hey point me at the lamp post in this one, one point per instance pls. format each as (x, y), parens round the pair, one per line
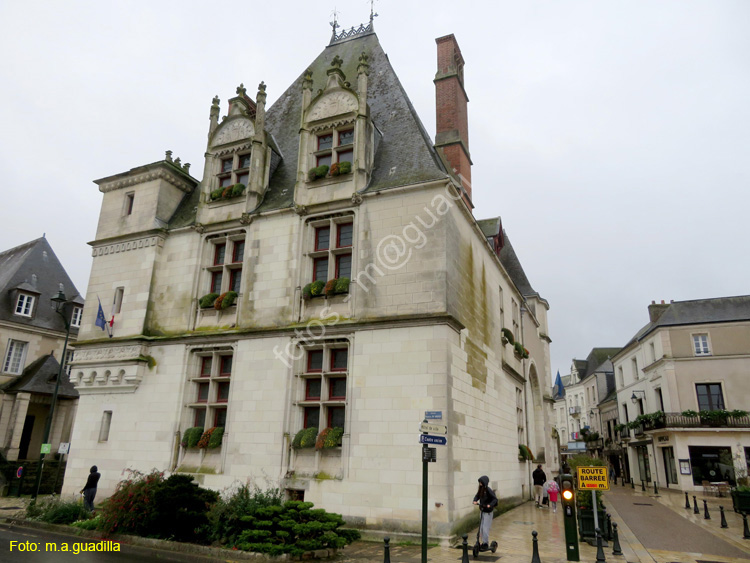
(60, 301)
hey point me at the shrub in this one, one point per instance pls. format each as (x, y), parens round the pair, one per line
(238, 189)
(335, 170)
(525, 354)
(206, 437)
(216, 194)
(130, 509)
(225, 300)
(508, 336)
(181, 510)
(317, 172)
(518, 348)
(305, 438)
(330, 287)
(191, 436)
(56, 511)
(524, 452)
(306, 292)
(329, 438)
(226, 515)
(207, 300)
(689, 413)
(316, 288)
(293, 528)
(342, 285)
(216, 438)
(226, 192)
(90, 524)
(583, 460)
(345, 167)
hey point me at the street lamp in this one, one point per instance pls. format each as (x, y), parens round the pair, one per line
(634, 398)
(60, 301)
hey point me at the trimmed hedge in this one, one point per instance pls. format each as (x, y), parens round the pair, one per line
(305, 438)
(191, 436)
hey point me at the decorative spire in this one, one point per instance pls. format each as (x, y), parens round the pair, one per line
(307, 82)
(168, 156)
(215, 102)
(373, 14)
(241, 90)
(334, 24)
(261, 97)
(364, 66)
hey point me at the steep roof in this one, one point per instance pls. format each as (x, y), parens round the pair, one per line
(34, 267)
(490, 227)
(39, 377)
(512, 265)
(598, 360)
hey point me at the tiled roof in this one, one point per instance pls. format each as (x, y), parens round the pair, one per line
(512, 265)
(39, 377)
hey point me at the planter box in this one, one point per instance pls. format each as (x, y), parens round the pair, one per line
(586, 528)
(741, 501)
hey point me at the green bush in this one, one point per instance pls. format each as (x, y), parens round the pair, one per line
(180, 510)
(305, 438)
(226, 515)
(524, 452)
(90, 524)
(225, 300)
(238, 189)
(191, 436)
(307, 292)
(293, 528)
(317, 287)
(130, 509)
(329, 438)
(330, 288)
(317, 172)
(345, 167)
(216, 194)
(583, 460)
(342, 285)
(509, 336)
(208, 300)
(519, 348)
(55, 510)
(335, 169)
(216, 438)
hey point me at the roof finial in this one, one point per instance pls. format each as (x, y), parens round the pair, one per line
(373, 14)
(241, 90)
(334, 24)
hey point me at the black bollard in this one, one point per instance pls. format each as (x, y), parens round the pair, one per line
(723, 518)
(706, 515)
(632, 483)
(623, 480)
(599, 548)
(387, 550)
(616, 550)
(656, 489)
(745, 529)
(695, 506)
(535, 549)
(643, 485)
(687, 501)
(609, 526)
(465, 547)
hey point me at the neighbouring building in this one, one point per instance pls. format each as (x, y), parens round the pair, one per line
(326, 280)
(683, 392)
(32, 337)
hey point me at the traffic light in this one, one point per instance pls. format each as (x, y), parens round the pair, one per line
(568, 489)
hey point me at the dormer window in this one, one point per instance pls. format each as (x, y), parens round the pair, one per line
(24, 305)
(76, 318)
(335, 146)
(234, 169)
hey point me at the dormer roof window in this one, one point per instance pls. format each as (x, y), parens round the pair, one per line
(24, 305)
(335, 146)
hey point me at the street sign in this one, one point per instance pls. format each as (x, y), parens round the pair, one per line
(429, 454)
(437, 440)
(593, 478)
(19, 472)
(433, 428)
(433, 415)
(64, 448)
(46, 448)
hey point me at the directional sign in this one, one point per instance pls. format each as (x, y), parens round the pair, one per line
(64, 448)
(437, 440)
(434, 428)
(433, 415)
(593, 478)
(46, 448)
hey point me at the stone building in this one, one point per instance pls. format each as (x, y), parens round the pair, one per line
(32, 337)
(228, 315)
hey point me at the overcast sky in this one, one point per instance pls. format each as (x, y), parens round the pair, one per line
(612, 137)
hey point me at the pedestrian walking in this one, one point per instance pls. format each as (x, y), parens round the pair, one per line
(539, 479)
(487, 501)
(552, 490)
(89, 489)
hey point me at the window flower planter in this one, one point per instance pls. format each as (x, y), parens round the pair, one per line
(524, 453)
(191, 437)
(317, 172)
(305, 438)
(211, 438)
(225, 300)
(228, 192)
(507, 337)
(329, 438)
(323, 171)
(333, 287)
(520, 351)
(207, 300)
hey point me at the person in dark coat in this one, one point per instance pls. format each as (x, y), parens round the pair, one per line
(487, 501)
(540, 478)
(89, 489)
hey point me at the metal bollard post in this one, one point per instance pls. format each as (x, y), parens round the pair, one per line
(609, 526)
(632, 483)
(643, 485)
(387, 550)
(745, 530)
(465, 549)
(616, 549)
(695, 506)
(706, 515)
(687, 501)
(535, 549)
(599, 549)
(656, 489)
(723, 518)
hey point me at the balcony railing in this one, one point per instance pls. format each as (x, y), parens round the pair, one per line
(625, 433)
(574, 410)
(678, 420)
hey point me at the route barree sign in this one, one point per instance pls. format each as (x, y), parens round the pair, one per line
(593, 478)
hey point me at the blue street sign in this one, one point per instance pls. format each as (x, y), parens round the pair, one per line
(438, 440)
(433, 415)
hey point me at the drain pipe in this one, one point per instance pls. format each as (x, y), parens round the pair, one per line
(526, 402)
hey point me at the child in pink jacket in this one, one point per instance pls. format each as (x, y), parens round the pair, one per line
(552, 490)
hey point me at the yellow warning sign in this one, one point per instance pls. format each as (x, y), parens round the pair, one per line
(593, 478)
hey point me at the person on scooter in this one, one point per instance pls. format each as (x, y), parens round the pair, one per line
(487, 501)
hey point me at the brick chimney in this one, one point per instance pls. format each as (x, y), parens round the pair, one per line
(452, 131)
(656, 310)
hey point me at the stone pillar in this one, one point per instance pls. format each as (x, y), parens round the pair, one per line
(20, 408)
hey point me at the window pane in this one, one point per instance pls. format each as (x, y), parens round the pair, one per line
(216, 282)
(234, 280)
(312, 417)
(717, 399)
(337, 388)
(226, 165)
(23, 306)
(14, 358)
(243, 178)
(315, 360)
(322, 238)
(312, 389)
(324, 159)
(220, 418)
(245, 160)
(238, 251)
(205, 367)
(225, 181)
(222, 393)
(339, 359)
(345, 235)
(76, 319)
(336, 417)
(226, 366)
(344, 266)
(325, 141)
(219, 253)
(345, 156)
(346, 137)
(321, 269)
(200, 418)
(202, 392)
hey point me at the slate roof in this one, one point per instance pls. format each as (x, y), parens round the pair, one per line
(596, 361)
(512, 265)
(39, 378)
(18, 266)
